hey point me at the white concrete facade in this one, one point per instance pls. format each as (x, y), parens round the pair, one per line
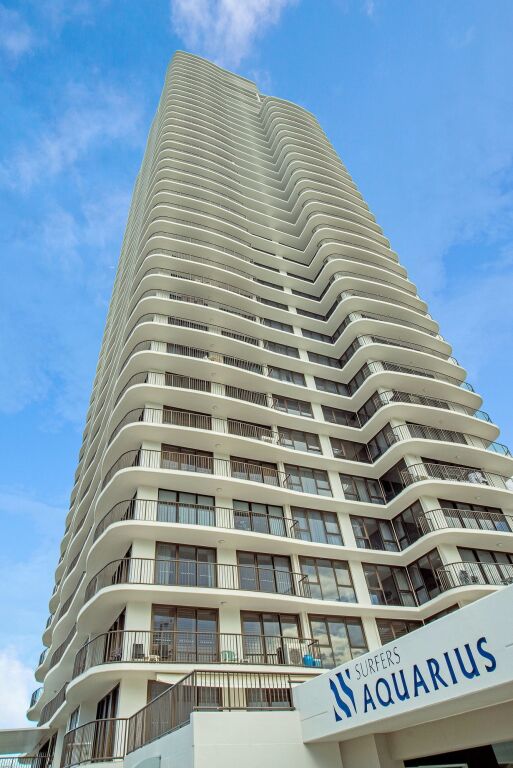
(282, 466)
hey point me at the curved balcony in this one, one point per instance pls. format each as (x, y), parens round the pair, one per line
(178, 647)
(186, 462)
(201, 575)
(465, 574)
(156, 511)
(36, 695)
(368, 368)
(441, 519)
(453, 473)
(191, 420)
(95, 742)
(53, 705)
(392, 435)
(381, 399)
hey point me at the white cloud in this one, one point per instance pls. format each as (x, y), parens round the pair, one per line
(16, 36)
(16, 678)
(224, 30)
(92, 116)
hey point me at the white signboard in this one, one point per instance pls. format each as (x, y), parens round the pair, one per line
(459, 662)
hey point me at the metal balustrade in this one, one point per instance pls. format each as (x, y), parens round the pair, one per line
(180, 647)
(389, 436)
(95, 742)
(152, 510)
(463, 574)
(208, 691)
(53, 705)
(199, 301)
(59, 652)
(26, 761)
(452, 473)
(198, 574)
(36, 695)
(440, 519)
(381, 399)
(188, 462)
(192, 420)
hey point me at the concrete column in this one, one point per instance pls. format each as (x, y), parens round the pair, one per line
(368, 752)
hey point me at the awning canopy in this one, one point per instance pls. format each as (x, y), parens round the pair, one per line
(21, 740)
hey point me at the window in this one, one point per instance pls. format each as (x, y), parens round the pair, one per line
(182, 634)
(423, 576)
(362, 489)
(306, 312)
(381, 442)
(391, 629)
(338, 416)
(371, 406)
(308, 480)
(329, 579)
(314, 357)
(256, 471)
(184, 565)
(271, 638)
(349, 450)
(316, 335)
(184, 507)
(340, 638)
(374, 534)
(282, 349)
(271, 303)
(356, 382)
(334, 387)
(388, 585)
(291, 405)
(406, 524)
(291, 377)
(345, 358)
(265, 573)
(73, 719)
(270, 285)
(341, 328)
(154, 689)
(277, 324)
(268, 698)
(298, 440)
(312, 525)
(261, 518)
(186, 459)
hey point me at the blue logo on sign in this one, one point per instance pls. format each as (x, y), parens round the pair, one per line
(343, 695)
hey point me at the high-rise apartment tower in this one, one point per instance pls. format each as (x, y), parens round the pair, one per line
(282, 465)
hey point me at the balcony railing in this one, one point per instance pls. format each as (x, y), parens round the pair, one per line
(428, 470)
(439, 519)
(189, 462)
(465, 574)
(202, 575)
(381, 399)
(191, 420)
(95, 742)
(36, 695)
(26, 761)
(156, 511)
(179, 647)
(208, 691)
(53, 705)
(397, 434)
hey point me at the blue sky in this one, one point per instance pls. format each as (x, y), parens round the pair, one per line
(416, 97)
